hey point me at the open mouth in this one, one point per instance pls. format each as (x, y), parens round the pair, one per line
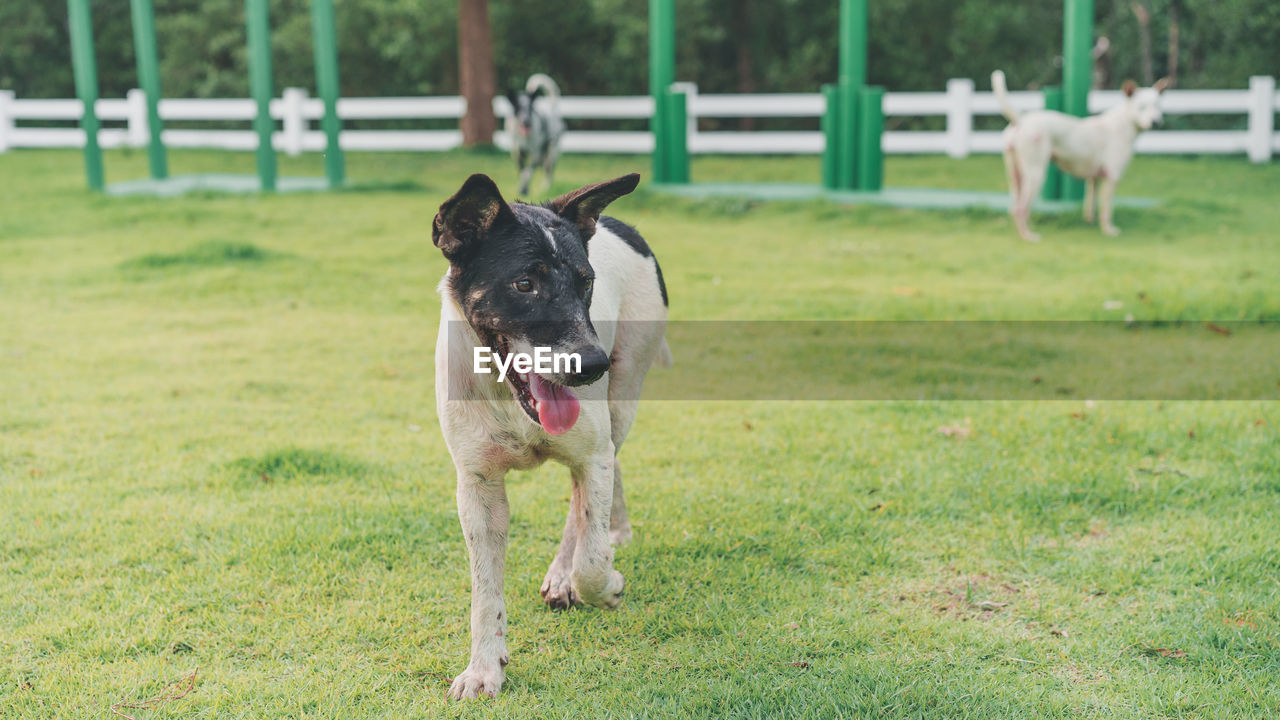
(552, 406)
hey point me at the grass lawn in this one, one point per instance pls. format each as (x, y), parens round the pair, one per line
(219, 454)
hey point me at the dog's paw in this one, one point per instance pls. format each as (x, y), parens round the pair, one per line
(1111, 231)
(1032, 237)
(475, 682)
(611, 595)
(557, 591)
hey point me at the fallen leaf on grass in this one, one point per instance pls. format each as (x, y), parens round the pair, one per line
(1058, 633)
(153, 703)
(905, 291)
(800, 664)
(991, 605)
(1219, 329)
(879, 507)
(792, 626)
(957, 431)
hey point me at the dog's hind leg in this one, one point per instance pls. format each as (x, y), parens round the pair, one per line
(1090, 186)
(557, 587)
(1032, 176)
(484, 514)
(619, 524)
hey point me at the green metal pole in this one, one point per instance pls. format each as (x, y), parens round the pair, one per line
(258, 21)
(853, 76)
(144, 47)
(1052, 189)
(870, 128)
(830, 132)
(1077, 72)
(662, 67)
(847, 160)
(676, 122)
(85, 69)
(324, 39)
(853, 42)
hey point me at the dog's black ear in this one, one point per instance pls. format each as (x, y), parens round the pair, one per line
(466, 218)
(1130, 87)
(537, 93)
(514, 100)
(584, 205)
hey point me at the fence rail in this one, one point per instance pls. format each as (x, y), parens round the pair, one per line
(959, 105)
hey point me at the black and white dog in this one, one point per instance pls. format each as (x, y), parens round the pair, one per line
(521, 278)
(534, 128)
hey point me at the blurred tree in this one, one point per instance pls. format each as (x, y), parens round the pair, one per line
(593, 47)
(475, 71)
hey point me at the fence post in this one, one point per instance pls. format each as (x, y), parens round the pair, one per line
(136, 123)
(324, 39)
(6, 120)
(690, 90)
(870, 128)
(1262, 117)
(144, 44)
(258, 20)
(85, 70)
(677, 151)
(292, 121)
(831, 134)
(662, 67)
(959, 116)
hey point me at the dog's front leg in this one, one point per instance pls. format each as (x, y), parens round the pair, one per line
(593, 576)
(1106, 197)
(483, 512)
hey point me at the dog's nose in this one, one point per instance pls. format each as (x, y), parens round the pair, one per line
(595, 362)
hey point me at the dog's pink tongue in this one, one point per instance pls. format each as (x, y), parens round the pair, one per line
(557, 405)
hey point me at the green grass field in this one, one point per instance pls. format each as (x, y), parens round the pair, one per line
(219, 454)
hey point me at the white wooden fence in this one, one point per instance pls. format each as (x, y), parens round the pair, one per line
(959, 104)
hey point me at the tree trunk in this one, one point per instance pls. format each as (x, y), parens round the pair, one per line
(475, 71)
(746, 69)
(1174, 29)
(1142, 10)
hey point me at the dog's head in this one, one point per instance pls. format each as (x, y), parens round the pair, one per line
(522, 109)
(521, 276)
(1144, 103)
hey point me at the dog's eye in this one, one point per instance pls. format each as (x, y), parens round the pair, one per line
(586, 288)
(523, 285)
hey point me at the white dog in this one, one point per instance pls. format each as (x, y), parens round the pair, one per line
(1096, 149)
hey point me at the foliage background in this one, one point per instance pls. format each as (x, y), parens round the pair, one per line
(409, 47)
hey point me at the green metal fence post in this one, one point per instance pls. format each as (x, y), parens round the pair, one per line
(1077, 72)
(662, 65)
(258, 22)
(870, 128)
(677, 128)
(847, 165)
(853, 76)
(324, 39)
(1052, 189)
(85, 68)
(831, 134)
(144, 48)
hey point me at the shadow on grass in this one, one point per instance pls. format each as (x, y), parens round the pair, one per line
(293, 463)
(209, 254)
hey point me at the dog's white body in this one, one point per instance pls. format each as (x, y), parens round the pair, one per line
(1096, 149)
(488, 434)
